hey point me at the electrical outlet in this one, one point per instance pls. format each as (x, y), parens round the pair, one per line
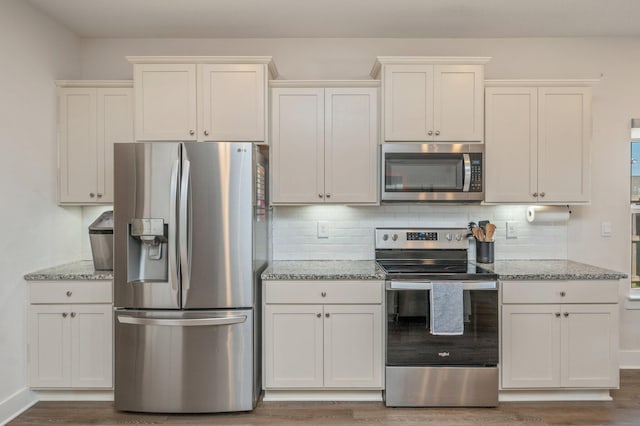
(323, 229)
(605, 229)
(512, 230)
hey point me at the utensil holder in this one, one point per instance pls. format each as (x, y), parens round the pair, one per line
(484, 251)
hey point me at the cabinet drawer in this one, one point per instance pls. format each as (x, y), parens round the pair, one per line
(70, 292)
(322, 292)
(559, 291)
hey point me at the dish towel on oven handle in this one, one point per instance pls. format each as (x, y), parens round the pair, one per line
(446, 311)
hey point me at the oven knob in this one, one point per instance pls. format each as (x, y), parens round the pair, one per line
(395, 237)
(385, 237)
(459, 237)
(449, 237)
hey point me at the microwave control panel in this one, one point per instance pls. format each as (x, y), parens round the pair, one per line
(476, 173)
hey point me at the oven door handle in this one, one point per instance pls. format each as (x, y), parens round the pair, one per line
(426, 285)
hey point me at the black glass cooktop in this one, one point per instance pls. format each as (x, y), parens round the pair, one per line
(435, 270)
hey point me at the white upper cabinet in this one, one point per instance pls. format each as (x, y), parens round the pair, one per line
(324, 145)
(538, 136)
(201, 98)
(432, 99)
(92, 116)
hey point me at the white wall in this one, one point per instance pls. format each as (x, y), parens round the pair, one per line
(616, 99)
(36, 233)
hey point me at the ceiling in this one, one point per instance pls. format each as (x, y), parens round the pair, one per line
(344, 18)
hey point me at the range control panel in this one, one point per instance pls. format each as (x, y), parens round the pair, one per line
(415, 238)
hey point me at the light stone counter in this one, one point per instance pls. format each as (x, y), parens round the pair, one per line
(323, 270)
(550, 270)
(80, 270)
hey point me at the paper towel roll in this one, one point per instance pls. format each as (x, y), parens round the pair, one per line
(548, 214)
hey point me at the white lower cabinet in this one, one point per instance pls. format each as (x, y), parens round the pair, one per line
(70, 344)
(310, 345)
(560, 345)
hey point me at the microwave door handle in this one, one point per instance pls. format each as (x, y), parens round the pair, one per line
(467, 172)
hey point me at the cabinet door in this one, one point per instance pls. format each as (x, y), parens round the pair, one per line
(114, 124)
(165, 102)
(231, 100)
(78, 175)
(297, 157)
(351, 145)
(530, 346)
(408, 102)
(353, 346)
(564, 141)
(293, 346)
(511, 144)
(49, 361)
(458, 96)
(91, 346)
(590, 345)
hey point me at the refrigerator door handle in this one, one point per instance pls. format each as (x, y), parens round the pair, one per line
(173, 227)
(188, 322)
(184, 231)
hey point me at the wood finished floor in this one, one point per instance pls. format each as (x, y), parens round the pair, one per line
(623, 410)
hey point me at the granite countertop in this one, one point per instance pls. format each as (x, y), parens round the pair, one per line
(323, 270)
(550, 270)
(80, 270)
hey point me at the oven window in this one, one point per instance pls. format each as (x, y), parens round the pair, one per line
(424, 173)
(409, 341)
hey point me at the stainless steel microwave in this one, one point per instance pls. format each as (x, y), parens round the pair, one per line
(432, 172)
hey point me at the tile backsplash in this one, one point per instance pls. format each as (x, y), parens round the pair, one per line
(349, 230)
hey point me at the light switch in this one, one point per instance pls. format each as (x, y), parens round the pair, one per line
(512, 230)
(605, 229)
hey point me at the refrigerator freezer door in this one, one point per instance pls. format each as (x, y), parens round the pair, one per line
(184, 361)
(146, 178)
(216, 225)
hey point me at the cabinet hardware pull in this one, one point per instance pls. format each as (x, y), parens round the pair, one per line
(437, 132)
(566, 314)
(69, 293)
(535, 194)
(328, 195)
(73, 314)
(319, 195)
(206, 133)
(430, 132)
(327, 315)
(91, 194)
(542, 194)
(64, 314)
(563, 293)
(319, 315)
(99, 195)
(323, 294)
(557, 314)
(191, 132)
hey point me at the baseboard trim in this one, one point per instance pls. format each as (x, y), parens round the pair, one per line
(74, 395)
(629, 360)
(554, 395)
(16, 404)
(322, 395)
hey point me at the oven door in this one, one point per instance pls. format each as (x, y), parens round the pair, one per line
(410, 342)
(431, 172)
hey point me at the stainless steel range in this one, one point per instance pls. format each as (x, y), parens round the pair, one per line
(442, 320)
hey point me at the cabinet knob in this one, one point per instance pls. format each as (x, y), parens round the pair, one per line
(319, 195)
(99, 195)
(327, 315)
(563, 293)
(319, 315)
(73, 314)
(566, 314)
(437, 132)
(69, 293)
(191, 132)
(535, 194)
(91, 194)
(64, 315)
(542, 194)
(557, 314)
(430, 132)
(206, 133)
(328, 195)
(323, 294)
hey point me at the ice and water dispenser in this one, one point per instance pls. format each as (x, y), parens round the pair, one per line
(147, 250)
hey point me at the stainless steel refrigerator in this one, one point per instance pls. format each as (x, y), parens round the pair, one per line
(190, 235)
